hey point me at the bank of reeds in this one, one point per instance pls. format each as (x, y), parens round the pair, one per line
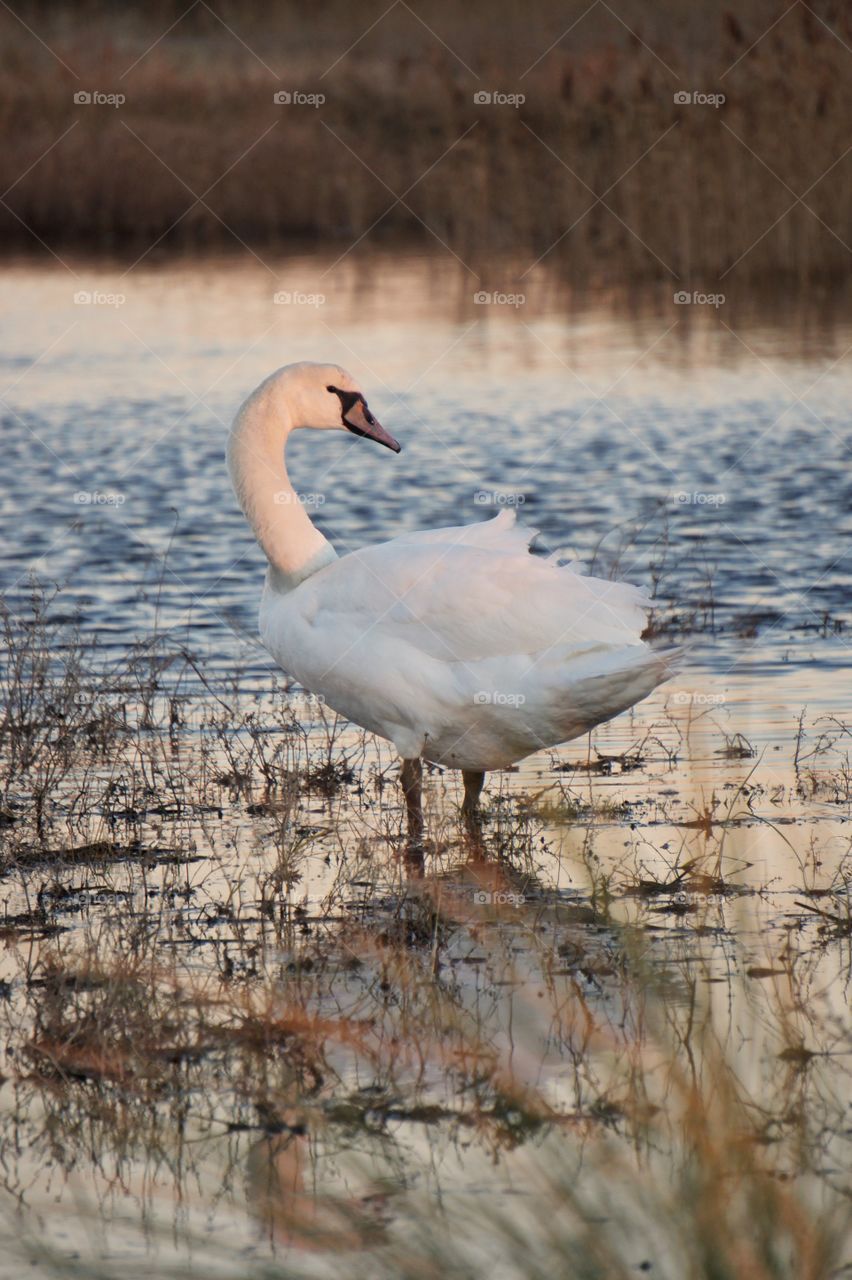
(599, 168)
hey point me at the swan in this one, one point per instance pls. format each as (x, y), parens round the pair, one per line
(457, 645)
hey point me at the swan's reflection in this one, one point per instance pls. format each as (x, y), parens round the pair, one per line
(293, 1213)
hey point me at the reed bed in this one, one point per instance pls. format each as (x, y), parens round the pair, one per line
(599, 172)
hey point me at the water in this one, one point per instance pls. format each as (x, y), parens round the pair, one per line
(704, 449)
(605, 424)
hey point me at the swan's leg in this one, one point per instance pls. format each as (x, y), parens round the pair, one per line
(474, 780)
(412, 780)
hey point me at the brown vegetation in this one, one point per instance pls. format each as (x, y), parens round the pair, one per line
(599, 160)
(630, 1075)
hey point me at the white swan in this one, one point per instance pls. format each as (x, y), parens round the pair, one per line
(456, 644)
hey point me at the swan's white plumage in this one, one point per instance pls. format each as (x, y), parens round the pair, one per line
(460, 646)
(456, 644)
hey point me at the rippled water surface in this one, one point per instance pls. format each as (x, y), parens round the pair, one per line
(615, 428)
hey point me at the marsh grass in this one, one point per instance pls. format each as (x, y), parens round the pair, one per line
(693, 1164)
(400, 115)
(227, 997)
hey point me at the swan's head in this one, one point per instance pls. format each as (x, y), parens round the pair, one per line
(327, 398)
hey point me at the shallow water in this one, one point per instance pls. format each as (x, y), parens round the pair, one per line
(711, 444)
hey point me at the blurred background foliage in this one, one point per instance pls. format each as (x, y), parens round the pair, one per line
(599, 156)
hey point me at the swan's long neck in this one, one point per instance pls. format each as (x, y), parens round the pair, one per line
(294, 547)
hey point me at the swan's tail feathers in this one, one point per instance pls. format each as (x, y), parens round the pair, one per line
(659, 665)
(655, 665)
(614, 681)
(670, 660)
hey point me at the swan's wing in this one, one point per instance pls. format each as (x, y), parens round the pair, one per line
(473, 592)
(503, 533)
(460, 646)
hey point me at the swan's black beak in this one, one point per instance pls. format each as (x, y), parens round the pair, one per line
(361, 422)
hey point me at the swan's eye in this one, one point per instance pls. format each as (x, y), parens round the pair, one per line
(348, 400)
